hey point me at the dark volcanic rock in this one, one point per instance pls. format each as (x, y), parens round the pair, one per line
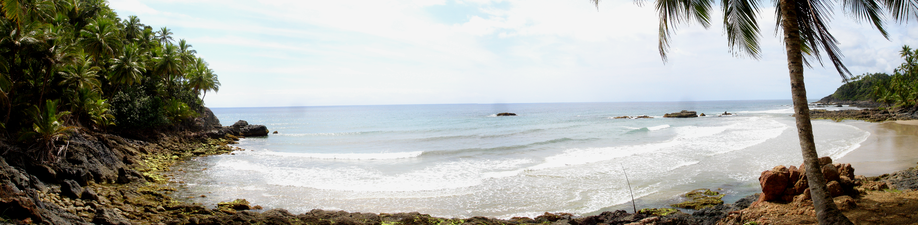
(71, 188)
(506, 114)
(110, 216)
(871, 115)
(241, 128)
(682, 114)
(903, 180)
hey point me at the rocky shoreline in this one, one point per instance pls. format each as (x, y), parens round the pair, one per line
(106, 178)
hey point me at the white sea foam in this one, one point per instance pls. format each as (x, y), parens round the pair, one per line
(736, 135)
(318, 134)
(347, 156)
(660, 127)
(451, 175)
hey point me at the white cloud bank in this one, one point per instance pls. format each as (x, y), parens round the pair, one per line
(294, 53)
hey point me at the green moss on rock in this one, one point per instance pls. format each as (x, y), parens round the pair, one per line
(700, 199)
(659, 211)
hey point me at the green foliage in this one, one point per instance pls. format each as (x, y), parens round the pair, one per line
(107, 71)
(659, 211)
(176, 111)
(699, 199)
(46, 129)
(860, 88)
(134, 109)
(900, 89)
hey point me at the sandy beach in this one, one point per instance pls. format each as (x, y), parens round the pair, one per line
(892, 146)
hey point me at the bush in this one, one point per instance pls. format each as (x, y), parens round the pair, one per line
(134, 109)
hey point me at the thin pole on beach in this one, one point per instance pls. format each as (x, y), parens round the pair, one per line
(629, 188)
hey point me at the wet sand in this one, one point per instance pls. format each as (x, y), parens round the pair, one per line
(892, 146)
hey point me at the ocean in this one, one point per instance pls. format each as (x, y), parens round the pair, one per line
(462, 160)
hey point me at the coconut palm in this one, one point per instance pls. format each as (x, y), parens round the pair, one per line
(127, 68)
(202, 79)
(133, 29)
(804, 25)
(164, 35)
(186, 54)
(47, 129)
(168, 62)
(81, 74)
(100, 38)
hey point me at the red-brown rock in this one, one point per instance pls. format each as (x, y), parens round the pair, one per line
(846, 170)
(801, 185)
(794, 174)
(835, 189)
(830, 172)
(825, 160)
(773, 185)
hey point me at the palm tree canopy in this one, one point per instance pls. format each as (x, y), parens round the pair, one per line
(742, 29)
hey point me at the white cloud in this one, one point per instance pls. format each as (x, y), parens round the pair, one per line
(291, 52)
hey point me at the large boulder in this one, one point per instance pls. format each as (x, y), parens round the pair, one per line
(774, 183)
(110, 216)
(241, 128)
(791, 184)
(682, 114)
(210, 120)
(72, 189)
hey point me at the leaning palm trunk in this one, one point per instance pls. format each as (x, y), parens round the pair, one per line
(826, 211)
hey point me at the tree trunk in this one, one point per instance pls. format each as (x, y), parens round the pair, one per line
(826, 211)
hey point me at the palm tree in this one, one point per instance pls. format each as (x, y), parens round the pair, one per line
(168, 62)
(100, 38)
(81, 74)
(128, 68)
(164, 35)
(186, 54)
(804, 25)
(133, 29)
(202, 79)
(47, 129)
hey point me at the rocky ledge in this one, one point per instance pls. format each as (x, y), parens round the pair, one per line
(682, 114)
(240, 129)
(870, 115)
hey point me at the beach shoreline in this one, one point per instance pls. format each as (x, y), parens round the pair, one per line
(889, 148)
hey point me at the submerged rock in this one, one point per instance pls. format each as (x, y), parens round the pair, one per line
(700, 199)
(682, 114)
(238, 204)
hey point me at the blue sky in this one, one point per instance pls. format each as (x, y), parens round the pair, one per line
(370, 52)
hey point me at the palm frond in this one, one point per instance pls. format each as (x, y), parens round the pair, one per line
(813, 17)
(741, 26)
(902, 10)
(673, 12)
(868, 10)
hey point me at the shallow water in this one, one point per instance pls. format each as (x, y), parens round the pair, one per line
(463, 161)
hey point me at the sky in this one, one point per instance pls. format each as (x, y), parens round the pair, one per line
(276, 53)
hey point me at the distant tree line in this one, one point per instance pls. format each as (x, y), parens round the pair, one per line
(74, 64)
(897, 90)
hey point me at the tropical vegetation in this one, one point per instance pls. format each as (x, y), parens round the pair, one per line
(69, 65)
(899, 90)
(804, 25)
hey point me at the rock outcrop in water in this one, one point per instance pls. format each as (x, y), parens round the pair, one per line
(506, 114)
(241, 128)
(682, 114)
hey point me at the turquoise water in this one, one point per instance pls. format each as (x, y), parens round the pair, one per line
(463, 161)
